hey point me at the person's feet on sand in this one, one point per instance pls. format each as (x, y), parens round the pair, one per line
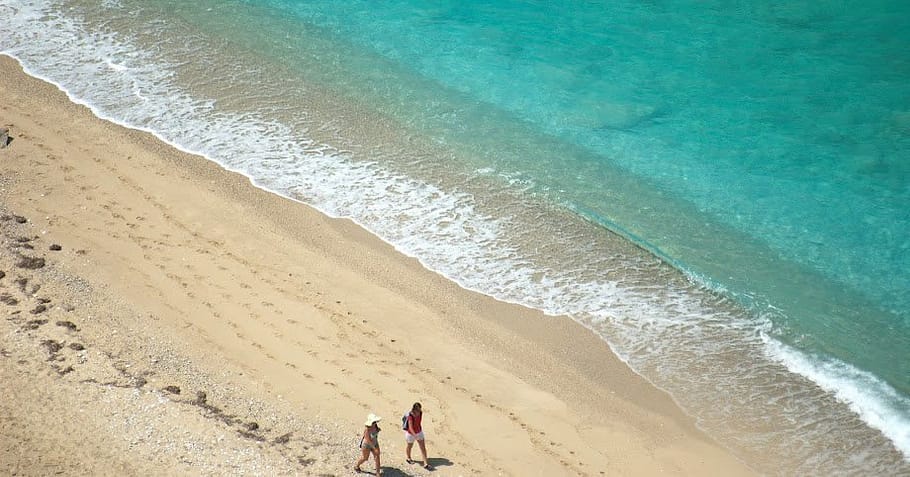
(361, 471)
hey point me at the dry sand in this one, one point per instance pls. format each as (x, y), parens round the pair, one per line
(191, 324)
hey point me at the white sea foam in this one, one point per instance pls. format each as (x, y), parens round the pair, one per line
(880, 405)
(661, 330)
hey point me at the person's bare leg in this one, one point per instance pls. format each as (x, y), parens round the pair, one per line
(378, 467)
(407, 451)
(365, 454)
(423, 451)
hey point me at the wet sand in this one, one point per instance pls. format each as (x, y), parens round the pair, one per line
(162, 316)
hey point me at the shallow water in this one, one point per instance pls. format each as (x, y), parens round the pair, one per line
(721, 193)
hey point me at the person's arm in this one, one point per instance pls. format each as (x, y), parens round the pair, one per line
(367, 437)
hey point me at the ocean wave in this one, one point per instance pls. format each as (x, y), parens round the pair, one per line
(877, 403)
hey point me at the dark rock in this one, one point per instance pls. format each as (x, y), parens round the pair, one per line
(55, 247)
(22, 282)
(251, 426)
(23, 239)
(283, 439)
(2, 274)
(139, 381)
(9, 300)
(34, 324)
(251, 435)
(44, 300)
(39, 309)
(201, 397)
(68, 324)
(66, 370)
(20, 219)
(52, 346)
(4, 137)
(76, 346)
(172, 389)
(31, 263)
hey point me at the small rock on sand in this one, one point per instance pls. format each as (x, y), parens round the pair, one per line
(34, 324)
(30, 263)
(52, 346)
(55, 247)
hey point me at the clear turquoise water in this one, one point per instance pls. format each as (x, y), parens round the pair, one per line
(790, 125)
(760, 149)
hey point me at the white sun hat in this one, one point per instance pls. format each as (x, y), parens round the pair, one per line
(371, 419)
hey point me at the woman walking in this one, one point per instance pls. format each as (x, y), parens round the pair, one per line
(369, 443)
(414, 432)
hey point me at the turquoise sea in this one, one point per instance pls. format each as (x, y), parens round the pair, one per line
(719, 189)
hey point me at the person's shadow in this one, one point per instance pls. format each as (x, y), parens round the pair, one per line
(439, 462)
(435, 463)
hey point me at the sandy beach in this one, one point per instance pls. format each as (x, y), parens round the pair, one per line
(162, 316)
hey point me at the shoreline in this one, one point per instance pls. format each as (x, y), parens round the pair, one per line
(311, 317)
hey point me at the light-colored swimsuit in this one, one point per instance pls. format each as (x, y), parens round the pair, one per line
(374, 436)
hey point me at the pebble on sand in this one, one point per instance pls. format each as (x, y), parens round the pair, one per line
(30, 263)
(68, 324)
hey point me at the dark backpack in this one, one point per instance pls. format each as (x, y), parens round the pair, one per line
(404, 421)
